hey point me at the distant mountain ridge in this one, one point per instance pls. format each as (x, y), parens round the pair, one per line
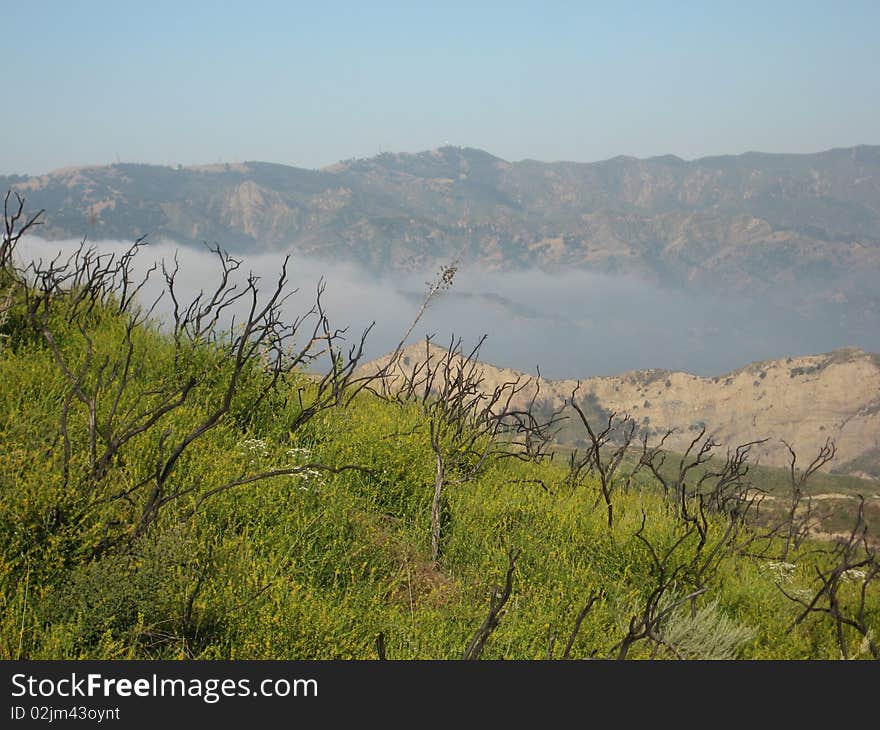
(746, 222)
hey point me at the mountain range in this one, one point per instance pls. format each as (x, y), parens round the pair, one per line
(751, 222)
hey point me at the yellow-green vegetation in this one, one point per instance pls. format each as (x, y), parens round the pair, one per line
(316, 561)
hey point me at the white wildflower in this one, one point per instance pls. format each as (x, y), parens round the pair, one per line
(312, 476)
(780, 570)
(253, 448)
(853, 574)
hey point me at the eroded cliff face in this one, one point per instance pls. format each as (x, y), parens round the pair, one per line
(803, 400)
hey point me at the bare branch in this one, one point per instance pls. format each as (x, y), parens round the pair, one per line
(579, 620)
(497, 602)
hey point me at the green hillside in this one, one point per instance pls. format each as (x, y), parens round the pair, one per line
(188, 492)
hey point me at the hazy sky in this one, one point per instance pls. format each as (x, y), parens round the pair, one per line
(310, 83)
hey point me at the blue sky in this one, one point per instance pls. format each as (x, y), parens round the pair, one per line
(310, 83)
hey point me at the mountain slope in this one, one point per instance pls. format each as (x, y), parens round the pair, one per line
(804, 400)
(753, 221)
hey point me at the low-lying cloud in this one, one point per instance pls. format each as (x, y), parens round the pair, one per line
(574, 324)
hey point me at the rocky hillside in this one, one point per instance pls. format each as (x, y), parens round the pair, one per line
(803, 400)
(748, 222)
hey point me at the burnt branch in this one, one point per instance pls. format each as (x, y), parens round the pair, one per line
(662, 600)
(470, 422)
(15, 225)
(579, 620)
(799, 521)
(302, 469)
(850, 568)
(380, 646)
(606, 449)
(497, 602)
